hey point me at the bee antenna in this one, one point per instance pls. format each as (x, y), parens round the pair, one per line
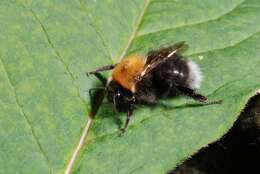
(103, 68)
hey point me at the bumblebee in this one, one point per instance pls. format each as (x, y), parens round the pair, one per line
(163, 73)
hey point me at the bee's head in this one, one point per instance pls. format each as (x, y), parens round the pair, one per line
(122, 98)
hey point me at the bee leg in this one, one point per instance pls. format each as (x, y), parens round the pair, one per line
(96, 99)
(101, 78)
(196, 96)
(95, 89)
(104, 68)
(167, 91)
(128, 116)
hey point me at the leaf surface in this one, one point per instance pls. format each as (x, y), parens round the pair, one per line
(47, 46)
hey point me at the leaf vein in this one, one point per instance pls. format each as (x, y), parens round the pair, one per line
(196, 23)
(57, 53)
(20, 106)
(98, 32)
(228, 46)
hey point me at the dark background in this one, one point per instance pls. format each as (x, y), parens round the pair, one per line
(237, 152)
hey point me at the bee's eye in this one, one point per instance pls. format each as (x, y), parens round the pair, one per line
(117, 92)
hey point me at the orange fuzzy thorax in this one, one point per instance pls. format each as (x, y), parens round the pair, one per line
(127, 70)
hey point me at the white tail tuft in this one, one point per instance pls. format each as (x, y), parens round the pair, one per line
(195, 75)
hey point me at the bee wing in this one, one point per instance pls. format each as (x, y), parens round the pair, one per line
(157, 57)
(165, 52)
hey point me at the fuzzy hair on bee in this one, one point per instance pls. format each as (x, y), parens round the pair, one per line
(162, 73)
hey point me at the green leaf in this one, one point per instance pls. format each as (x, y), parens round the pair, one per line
(47, 46)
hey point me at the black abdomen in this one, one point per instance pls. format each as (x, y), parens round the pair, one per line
(162, 81)
(174, 71)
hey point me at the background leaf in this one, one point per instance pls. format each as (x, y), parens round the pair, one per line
(47, 46)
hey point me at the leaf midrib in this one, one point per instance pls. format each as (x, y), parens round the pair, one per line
(122, 55)
(135, 30)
